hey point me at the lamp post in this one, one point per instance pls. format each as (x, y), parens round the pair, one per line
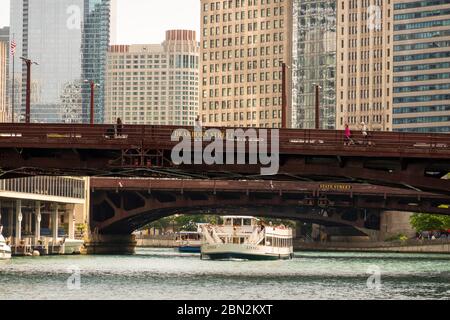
(284, 102)
(317, 90)
(93, 85)
(28, 62)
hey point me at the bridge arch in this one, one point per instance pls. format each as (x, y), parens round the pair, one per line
(112, 214)
(122, 205)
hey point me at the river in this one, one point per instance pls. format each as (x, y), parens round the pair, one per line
(166, 274)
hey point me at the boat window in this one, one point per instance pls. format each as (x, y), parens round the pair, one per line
(237, 222)
(247, 222)
(227, 222)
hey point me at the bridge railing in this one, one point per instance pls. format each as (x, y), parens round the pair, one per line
(295, 138)
(160, 136)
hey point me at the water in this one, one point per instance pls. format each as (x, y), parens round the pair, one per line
(165, 274)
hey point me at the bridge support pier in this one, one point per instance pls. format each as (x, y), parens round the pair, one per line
(10, 222)
(55, 224)
(394, 223)
(71, 222)
(37, 234)
(110, 244)
(19, 219)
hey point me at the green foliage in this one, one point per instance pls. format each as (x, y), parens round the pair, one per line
(427, 222)
(183, 222)
(398, 237)
(287, 223)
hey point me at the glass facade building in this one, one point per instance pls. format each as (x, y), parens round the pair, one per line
(314, 62)
(69, 40)
(421, 66)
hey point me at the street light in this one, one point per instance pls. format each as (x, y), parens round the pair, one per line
(28, 62)
(284, 120)
(93, 85)
(317, 87)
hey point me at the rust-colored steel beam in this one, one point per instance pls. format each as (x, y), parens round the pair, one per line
(138, 184)
(284, 102)
(292, 141)
(135, 202)
(389, 157)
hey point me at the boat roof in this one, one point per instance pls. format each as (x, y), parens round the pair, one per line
(188, 232)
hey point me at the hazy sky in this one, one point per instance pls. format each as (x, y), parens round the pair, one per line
(144, 21)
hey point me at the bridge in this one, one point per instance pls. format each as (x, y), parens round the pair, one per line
(121, 206)
(408, 160)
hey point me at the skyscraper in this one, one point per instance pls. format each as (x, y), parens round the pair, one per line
(422, 66)
(314, 63)
(4, 71)
(154, 83)
(243, 44)
(364, 64)
(69, 39)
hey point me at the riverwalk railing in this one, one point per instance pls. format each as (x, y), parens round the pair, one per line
(66, 187)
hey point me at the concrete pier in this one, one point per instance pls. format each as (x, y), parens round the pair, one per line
(110, 244)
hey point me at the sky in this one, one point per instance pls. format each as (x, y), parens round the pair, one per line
(144, 21)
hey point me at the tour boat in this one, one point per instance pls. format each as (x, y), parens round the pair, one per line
(246, 238)
(188, 242)
(5, 250)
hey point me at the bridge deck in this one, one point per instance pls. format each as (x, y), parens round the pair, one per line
(406, 159)
(316, 188)
(292, 141)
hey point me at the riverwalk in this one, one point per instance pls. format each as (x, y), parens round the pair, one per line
(409, 246)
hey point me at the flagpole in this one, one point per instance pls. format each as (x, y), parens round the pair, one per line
(13, 82)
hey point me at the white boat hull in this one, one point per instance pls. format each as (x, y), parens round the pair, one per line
(5, 253)
(244, 251)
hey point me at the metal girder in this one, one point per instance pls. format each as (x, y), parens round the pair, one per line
(167, 197)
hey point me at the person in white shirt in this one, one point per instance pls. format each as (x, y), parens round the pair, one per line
(198, 122)
(364, 132)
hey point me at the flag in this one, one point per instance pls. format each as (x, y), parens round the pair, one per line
(13, 47)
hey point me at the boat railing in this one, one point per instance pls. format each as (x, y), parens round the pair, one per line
(210, 235)
(257, 236)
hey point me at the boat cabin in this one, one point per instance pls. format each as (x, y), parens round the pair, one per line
(239, 221)
(188, 235)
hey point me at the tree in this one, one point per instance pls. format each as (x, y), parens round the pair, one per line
(427, 222)
(183, 222)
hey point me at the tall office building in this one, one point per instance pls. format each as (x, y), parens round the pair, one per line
(69, 39)
(154, 83)
(364, 64)
(4, 83)
(314, 63)
(243, 43)
(422, 65)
